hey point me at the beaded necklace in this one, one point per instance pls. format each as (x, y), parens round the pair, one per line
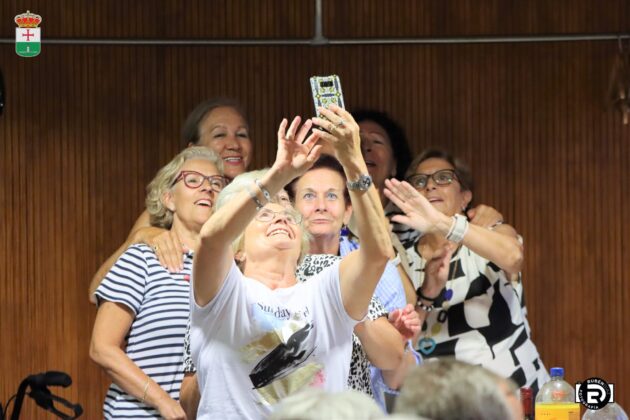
(426, 345)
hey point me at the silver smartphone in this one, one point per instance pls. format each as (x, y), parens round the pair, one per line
(326, 90)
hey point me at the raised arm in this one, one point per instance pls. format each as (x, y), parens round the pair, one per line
(500, 245)
(214, 257)
(360, 270)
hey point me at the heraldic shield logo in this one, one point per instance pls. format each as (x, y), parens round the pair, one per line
(28, 35)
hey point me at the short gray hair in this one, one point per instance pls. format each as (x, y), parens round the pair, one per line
(446, 389)
(159, 214)
(315, 403)
(242, 183)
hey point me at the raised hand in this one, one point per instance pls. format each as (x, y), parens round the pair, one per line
(295, 155)
(419, 213)
(342, 132)
(436, 271)
(406, 321)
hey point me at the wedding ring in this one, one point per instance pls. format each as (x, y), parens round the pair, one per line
(156, 249)
(340, 123)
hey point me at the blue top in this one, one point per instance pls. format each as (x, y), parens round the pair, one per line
(389, 289)
(390, 292)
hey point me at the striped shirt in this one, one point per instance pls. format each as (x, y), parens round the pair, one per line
(155, 341)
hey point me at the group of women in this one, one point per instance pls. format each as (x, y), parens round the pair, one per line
(260, 276)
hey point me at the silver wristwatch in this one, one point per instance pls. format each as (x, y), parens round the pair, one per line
(361, 184)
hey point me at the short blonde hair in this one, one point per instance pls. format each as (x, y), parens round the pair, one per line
(241, 183)
(159, 214)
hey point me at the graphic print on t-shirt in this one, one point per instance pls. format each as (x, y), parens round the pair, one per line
(281, 354)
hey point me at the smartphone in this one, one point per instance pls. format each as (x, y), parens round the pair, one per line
(326, 90)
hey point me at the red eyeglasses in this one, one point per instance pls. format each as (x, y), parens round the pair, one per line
(194, 180)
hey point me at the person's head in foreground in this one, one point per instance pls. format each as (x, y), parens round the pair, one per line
(315, 403)
(446, 389)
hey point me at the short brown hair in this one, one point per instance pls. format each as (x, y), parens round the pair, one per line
(461, 168)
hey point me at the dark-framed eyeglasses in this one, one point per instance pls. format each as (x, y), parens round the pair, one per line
(267, 215)
(194, 180)
(441, 177)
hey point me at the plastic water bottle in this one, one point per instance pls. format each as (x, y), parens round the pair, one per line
(611, 411)
(556, 399)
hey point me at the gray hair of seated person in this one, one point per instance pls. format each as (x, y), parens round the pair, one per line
(447, 389)
(159, 214)
(243, 182)
(315, 403)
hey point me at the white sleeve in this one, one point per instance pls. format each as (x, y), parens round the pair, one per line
(228, 297)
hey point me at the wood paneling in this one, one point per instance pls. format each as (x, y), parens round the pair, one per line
(412, 18)
(161, 19)
(85, 128)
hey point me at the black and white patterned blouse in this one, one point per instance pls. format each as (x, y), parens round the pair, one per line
(359, 377)
(480, 319)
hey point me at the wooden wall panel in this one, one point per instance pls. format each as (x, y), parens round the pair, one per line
(412, 18)
(86, 127)
(147, 19)
(162, 19)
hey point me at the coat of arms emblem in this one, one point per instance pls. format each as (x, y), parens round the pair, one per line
(28, 35)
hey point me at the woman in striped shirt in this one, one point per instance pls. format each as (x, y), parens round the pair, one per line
(138, 334)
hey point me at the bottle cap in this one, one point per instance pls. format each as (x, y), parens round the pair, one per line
(557, 371)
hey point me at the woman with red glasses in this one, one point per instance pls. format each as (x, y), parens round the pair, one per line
(138, 335)
(467, 277)
(220, 124)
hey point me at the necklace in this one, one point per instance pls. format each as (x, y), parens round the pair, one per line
(426, 345)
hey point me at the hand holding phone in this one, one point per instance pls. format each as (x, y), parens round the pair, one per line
(326, 90)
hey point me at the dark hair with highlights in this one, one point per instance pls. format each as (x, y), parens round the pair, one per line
(396, 134)
(462, 170)
(190, 130)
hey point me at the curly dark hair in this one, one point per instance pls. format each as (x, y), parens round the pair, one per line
(396, 134)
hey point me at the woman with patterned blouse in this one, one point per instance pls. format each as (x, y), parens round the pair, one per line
(467, 277)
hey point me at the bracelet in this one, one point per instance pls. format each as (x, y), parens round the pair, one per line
(458, 229)
(420, 295)
(499, 223)
(425, 308)
(144, 393)
(254, 197)
(263, 190)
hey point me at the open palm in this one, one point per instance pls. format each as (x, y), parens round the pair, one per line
(296, 155)
(419, 213)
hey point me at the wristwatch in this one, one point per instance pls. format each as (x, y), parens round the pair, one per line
(361, 184)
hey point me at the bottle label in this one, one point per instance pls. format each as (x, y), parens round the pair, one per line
(558, 411)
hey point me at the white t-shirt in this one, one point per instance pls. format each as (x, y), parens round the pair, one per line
(254, 346)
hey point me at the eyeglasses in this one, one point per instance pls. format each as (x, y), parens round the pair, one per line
(194, 180)
(442, 177)
(267, 215)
